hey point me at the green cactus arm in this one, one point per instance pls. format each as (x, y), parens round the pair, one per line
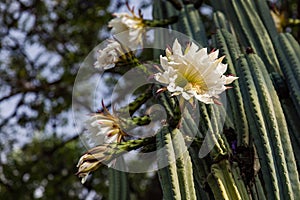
(225, 145)
(211, 138)
(290, 63)
(162, 9)
(258, 128)
(264, 12)
(157, 13)
(189, 22)
(112, 188)
(186, 182)
(292, 120)
(196, 24)
(229, 47)
(291, 49)
(293, 42)
(223, 168)
(170, 11)
(189, 126)
(118, 184)
(288, 51)
(259, 35)
(163, 100)
(251, 32)
(128, 124)
(184, 166)
(204, 117)
(161, 22)
(220, 21)
(275, 123)
(183, 24)
(171, 105)
(137, 102)
(222, 182)
(257, 190)
(214, 118)
(167, 174)
(217, 119)
(217, 188)
(277, 127)
(269, 114)
(236, 174)
(201, 169)
(200, 166)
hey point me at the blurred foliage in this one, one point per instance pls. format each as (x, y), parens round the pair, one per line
(42, 46)
(42, 169)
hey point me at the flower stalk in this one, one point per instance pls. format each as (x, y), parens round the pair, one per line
(161, 23)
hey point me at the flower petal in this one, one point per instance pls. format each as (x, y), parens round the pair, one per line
(84, 177)
(177, 48)
(230, 79)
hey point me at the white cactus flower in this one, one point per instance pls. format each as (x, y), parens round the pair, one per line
(131, 27)
(109, 56)
(104, 126)
(194, 73)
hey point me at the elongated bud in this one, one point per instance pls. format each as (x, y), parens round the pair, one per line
(91, 161)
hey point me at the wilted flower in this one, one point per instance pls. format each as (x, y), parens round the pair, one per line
(133, 26)
(109, 56)
(105, 125)
(193, 73)
(279, 19)
(91, 161)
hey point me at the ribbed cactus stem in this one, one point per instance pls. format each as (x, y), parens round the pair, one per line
(171, 106)
(195, 23)
(279, 130)
(252, 33)
(184, 166)
(258, 128)
(229, 47)
(118, 185)
(240, 185)
(257, 190)
(189, 125)
(290, 63)
(264, 12)
(209, 126)
(222, 180)
(166, 162)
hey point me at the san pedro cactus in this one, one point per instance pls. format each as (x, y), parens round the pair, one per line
(255, 152)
